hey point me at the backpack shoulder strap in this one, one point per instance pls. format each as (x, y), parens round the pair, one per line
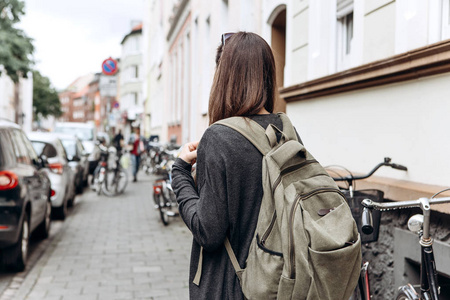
(251, 130)
(288, 128)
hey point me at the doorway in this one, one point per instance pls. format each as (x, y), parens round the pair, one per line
(278, 43)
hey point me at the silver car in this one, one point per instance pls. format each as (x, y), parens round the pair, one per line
(60, 174)
(78, 160)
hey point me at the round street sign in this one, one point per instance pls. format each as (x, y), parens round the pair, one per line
(109, 66)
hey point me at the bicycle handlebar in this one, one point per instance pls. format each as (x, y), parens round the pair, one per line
(368, 205)
(386, 162)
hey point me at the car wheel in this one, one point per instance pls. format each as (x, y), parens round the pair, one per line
(79, 187)
(43, 230)
(60, 213)
(15, 257)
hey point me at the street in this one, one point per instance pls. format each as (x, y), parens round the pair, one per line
(107, 248)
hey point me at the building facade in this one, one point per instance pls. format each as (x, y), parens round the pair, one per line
(361, 80)
(76, 103)
(131, 80)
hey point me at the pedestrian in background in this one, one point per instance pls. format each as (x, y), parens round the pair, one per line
(118, 141)
(227, 200)
(136, 141)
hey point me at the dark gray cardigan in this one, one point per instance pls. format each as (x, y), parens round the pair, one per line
(227, 204)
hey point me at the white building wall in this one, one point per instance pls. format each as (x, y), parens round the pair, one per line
(7, 110)
(7, 100)
(403, 121)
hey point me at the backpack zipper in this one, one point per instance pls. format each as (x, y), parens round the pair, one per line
(291, 169)
(269, 229)
(277, 182)
(297, 200)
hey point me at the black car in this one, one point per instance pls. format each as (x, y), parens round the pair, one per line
(25, 192)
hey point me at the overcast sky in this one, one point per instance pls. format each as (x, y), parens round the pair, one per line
(73, 38)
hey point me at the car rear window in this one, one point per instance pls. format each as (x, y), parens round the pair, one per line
(3, 143)
(46, 149)
(85, 134)
(70, 146)
(7, 156)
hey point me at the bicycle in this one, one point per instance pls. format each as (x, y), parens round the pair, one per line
(419, 224)
(163, 194)
(354, 198)
(109, 177)
(100, 170)
(115, 177)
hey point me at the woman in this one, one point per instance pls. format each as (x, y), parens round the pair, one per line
(227, 199)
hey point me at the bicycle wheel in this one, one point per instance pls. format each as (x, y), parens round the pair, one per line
(115, 182)
(162, 209)
(122, 181)
(407, 292)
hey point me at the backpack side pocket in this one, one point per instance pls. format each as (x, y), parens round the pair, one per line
(261, 276)
(329, 267)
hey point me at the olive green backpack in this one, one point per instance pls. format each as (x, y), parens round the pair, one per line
(306, 244)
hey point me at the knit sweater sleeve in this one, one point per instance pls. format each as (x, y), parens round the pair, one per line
(205, 211)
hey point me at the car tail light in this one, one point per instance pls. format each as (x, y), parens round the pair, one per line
(8, 180)
(4, 227)
(103, 163)
(56, 168)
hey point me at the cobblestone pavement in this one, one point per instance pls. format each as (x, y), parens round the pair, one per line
(112, 248)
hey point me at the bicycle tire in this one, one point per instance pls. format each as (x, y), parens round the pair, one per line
(162, 210)
(407, 292)
(98, 188)
(112, 185)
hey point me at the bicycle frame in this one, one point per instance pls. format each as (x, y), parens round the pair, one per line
(429, 287)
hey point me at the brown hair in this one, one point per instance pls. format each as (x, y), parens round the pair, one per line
(245, 80)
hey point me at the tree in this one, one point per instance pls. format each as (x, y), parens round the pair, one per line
(45, 98)
(16, 48)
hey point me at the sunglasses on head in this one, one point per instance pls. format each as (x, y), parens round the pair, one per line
(226, 36)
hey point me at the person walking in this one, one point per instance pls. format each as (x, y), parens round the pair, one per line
(136, 141)
(227, 198)
(118, 141)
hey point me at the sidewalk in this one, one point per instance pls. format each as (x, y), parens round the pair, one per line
(113, 248)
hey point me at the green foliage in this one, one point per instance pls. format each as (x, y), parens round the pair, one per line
(16, 48)
(45, 98)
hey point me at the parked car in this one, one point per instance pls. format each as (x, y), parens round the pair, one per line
(87, 134)
(59, 171)
(78, 160)
(25, 192)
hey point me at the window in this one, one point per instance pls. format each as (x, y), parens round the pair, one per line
(29, 148)
(134, 97)
(348, 32)
(44, 149)
(445, 19)
(19, 148)
(344, 35)
(134, 71)
(6, 156)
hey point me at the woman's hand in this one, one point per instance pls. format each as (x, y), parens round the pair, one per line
(189, 152)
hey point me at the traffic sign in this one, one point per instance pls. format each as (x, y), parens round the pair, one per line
(109, 66)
